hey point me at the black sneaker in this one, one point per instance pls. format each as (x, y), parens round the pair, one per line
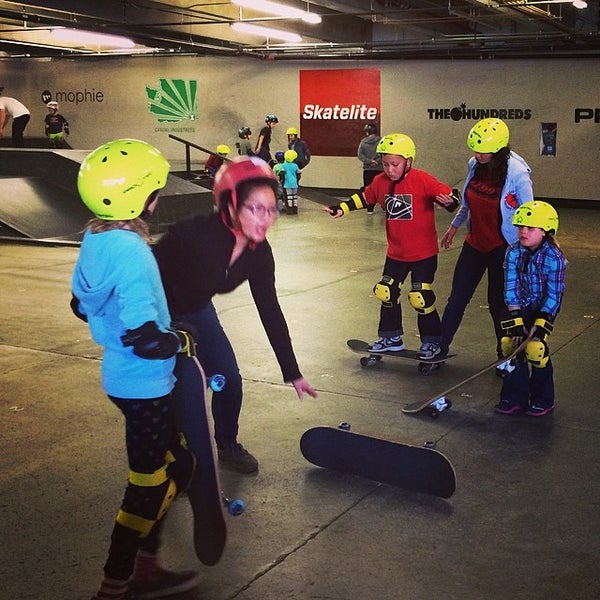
(537, 410)
(507, 407)
(166, 583)
(237, 458)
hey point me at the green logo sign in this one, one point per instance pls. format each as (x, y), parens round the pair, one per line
(173, 100)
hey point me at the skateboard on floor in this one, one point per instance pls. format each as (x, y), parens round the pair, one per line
(194, 421)
(371, 358)
(414, 468)
(434, 406)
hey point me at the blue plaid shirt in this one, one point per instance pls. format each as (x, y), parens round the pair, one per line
(535, 280)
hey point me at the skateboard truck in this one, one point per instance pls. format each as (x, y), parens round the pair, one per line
(437, 406)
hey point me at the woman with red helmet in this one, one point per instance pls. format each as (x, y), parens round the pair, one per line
(214, 254)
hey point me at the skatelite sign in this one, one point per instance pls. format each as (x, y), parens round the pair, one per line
(335, 105)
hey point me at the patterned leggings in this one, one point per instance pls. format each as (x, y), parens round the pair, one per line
(156, 462)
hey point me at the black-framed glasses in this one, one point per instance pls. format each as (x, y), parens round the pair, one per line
(258, 210)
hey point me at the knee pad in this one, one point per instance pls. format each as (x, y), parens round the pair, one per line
(422, 298)
(388, 291)
(537, 353)
(506, 346)
(147, 499)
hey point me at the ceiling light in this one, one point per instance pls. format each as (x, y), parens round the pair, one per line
(277, 34)
(575, 3)
(279, 9)
(89, 38)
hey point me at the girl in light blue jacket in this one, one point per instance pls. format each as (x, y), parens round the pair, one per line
(117, 290)
(498, 182)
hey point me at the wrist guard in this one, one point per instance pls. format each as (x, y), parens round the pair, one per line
(513, 327)
(355, 202)
(543, 326)
(150, 342)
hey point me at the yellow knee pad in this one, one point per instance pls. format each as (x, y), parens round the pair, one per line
(537, 353)
(161, 496)
(422, 298)
(387, 290)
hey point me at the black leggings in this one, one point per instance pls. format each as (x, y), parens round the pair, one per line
(149, 435)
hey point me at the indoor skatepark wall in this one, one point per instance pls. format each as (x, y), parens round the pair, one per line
(109, 98)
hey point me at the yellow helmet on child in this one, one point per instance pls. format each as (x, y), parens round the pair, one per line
(290, 155)
(223, 149)
(537, 214)
(292, 131)
(397, 144)
(116, 180)
(488, 136)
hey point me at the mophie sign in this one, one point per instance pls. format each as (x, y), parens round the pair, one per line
(335, 105)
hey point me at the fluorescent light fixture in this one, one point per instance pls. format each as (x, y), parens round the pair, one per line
(89, 38)
(278, 9)
(259, 30)
(575, 3)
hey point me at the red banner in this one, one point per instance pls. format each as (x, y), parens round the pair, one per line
(335, 105)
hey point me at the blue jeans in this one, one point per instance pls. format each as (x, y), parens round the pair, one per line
(216, 355)
(468, 272)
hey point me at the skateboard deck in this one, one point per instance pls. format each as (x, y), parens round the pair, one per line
(194, 420)
(433, 406)
(414, 468)
(370, 357)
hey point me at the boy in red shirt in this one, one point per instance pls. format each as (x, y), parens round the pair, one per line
(408, 197)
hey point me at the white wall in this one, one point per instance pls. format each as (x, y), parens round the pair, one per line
(241, 91)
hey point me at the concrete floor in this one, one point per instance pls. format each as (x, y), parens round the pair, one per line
(523, 523)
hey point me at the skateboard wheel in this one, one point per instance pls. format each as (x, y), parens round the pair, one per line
(216, 383)
(345, 426)
(433, 412)
(236, 507)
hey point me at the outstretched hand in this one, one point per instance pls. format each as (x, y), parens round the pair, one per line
(302, 386)
(447, 238)
(332, 211)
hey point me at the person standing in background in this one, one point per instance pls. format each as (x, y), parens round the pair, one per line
(263, 145)
(56, 126)
(10, 108)
(369, 157)
(299, 146)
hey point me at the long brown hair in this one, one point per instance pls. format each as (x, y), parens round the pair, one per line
(496, 169)
(137, 225)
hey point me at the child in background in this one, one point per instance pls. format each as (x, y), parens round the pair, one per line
(56, 127)
(117, 290)
(278, 170)
(291, 178)
(408, 197)
(534, 270)
(214, 162)
(244, 147)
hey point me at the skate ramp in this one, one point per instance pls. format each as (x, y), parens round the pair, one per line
(39, 209)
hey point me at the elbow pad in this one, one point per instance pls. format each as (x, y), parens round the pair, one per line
(150, 342)
(75, 308)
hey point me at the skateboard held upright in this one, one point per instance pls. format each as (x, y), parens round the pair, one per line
(413, 468)
(194, 420)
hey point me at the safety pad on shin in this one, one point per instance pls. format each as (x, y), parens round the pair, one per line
(147, 499)
(537, 353)
(422, 298)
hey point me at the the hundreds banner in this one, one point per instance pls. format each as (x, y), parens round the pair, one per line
(335, 105)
